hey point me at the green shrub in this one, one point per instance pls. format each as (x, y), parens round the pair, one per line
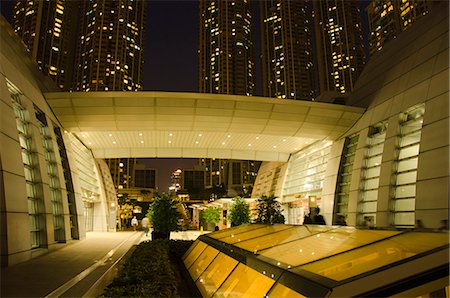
(148, 271)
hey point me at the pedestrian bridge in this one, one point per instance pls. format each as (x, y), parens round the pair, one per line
(195, 125)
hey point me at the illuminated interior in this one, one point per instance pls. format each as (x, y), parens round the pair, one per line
(258, 260)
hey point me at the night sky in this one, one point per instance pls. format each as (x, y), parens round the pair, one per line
(171, 44)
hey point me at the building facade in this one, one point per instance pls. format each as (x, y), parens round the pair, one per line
(286, 46)
(389, 18)
(390, 167)
(339, 45)
(111, 46)
(49, 30)
(226, 62)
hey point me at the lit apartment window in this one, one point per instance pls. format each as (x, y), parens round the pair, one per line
(31, 169)
(367, 205)
(403, 200)
(344, 177)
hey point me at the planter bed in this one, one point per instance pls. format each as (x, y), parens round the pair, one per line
(152, 270)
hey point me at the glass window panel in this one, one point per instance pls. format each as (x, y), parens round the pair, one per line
(411, 126)
(405, 178)
(405, 191)
(410, 139)
(31, 190)
(194, 251)
(372, 172)
(368, 207)
(321, 245)
(408, 164)
(234, 230)
(202, 262)
(404, 205)
(235, 238)
(281, 291)
(373, 161)
(376, 255)
(375, 150)
(26, 158)
(404, 218)
(370, 195)
(346, 178)
(28, 173)
(24, 142)
(408, 152)
(344, 188)
(371, 183)
(245, 282)
(266, 241)
(32, 207)
(215, 274)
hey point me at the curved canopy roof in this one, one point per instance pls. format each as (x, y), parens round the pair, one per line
(193, 125)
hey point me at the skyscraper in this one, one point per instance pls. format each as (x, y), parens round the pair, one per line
(388, 18)
(286, 46)
(111, 45)
(339, 44)
(49, 30)
(226, 63)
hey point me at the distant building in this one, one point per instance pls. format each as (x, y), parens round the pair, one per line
(131, 177)
(339, 44)
(287, 51)
(226, 63)
(193, 179)
(237, 176)
(49, 30)
(388, 18)
(111, 54)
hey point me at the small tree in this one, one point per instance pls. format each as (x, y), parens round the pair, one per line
(211, 215)
(269, 210)
(239, 212)
(163, 215)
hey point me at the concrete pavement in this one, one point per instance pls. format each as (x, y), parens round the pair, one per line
(69, 271)
(81, 269)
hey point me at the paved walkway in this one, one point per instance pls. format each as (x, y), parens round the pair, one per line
(72, 270)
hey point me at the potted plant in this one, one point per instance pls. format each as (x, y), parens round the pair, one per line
(211, 216)
(269, 210)
(239, 212)
(163, 215)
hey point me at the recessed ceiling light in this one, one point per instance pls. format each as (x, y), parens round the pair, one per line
(257, 138)
(170, 142)
(249, 145)
(170, 134)
(140, 134)
(110, 134)
(229, 136)
(114, 142)
(142, 142)
(274, 146)
(90, 143)
(223, 143)
(284, 140)
(199, 134)
(196, 142)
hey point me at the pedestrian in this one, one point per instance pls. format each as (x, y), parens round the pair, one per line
(145, 225)
(134, 223)
(318, 219)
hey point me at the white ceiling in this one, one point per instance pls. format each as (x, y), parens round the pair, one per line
(169, 124)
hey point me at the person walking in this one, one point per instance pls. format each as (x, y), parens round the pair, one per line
(134, 223)
(145, 223)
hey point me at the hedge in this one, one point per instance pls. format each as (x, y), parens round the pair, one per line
(148, 271)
